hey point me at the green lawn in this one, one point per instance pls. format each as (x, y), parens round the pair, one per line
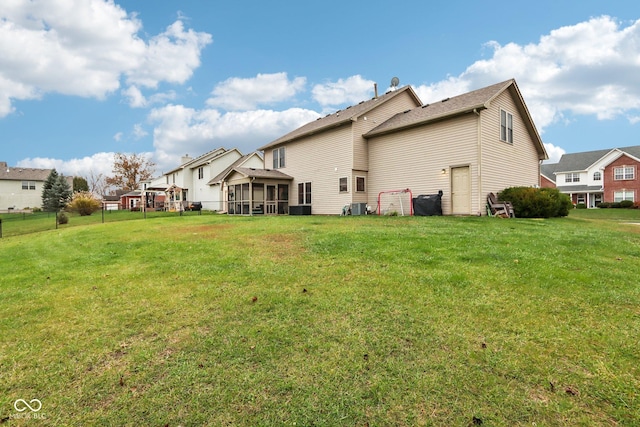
(354, 321)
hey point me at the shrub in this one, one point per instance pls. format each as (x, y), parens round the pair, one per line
(529, 202)
(83, 203)
(581, 206)
(63, 218)
(626, 204)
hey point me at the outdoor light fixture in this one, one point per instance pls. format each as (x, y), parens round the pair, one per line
(444, 171)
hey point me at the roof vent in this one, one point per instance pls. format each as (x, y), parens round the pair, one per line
(445, 100)
(425, 105)
(405, 112)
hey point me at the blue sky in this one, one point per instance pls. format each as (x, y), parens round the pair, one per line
(83, 79)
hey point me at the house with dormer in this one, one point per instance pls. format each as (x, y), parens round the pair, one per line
(465, 146)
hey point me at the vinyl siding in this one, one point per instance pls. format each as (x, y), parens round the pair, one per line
(503, 164)
(414, 158)
(12, 195)
(342, 152)
(321, 159)
(373, 118)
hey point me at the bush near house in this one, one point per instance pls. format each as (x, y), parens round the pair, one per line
(529, 202)
(625, 204)
(83, 203)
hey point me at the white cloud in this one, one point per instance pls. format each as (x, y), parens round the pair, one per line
(136, 99)
(139, 132)
(84, 48)
(117, 136)
(237, 94)
(591, 68)
(180, 130)
(554, 153)
(99, 163)
(345, 91)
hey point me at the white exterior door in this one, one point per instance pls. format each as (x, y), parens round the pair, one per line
(461, 191)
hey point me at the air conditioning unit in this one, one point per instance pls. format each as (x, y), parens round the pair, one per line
(358, 208)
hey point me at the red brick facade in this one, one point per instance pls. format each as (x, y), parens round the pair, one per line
(546, 182)
(611, 185)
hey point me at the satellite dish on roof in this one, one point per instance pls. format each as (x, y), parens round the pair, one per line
(395, 82)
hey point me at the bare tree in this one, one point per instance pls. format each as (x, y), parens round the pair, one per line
(129, 170)
(97, 184)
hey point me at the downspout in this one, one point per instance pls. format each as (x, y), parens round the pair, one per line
(479, 137)
(251, 196)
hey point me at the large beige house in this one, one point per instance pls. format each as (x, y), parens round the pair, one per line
(465, 146)
(21, 188)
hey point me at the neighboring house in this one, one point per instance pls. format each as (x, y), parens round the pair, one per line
(22, 187)
(547, 175)
(592, 177)
(195, 180)
(111, 203)
(467, 146)
(229, 183)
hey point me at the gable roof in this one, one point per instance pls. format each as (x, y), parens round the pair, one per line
(340, 117)
(222, 175)
(476, 100)
(548, 170)
(262, 173)
(574, 162)
(23, 174)
(198, 161)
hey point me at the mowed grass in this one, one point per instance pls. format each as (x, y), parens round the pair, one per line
(341, 321)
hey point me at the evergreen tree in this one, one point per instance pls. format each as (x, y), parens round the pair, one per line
(80, 184)
(56, 193)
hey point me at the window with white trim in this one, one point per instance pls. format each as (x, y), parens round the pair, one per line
(506, 126)
(623, 173)
(621, 195)
(200, 172)
(572, 177)
(360, 184)
(344, 188)
(28, 185)
(597, 176)
(278, 158)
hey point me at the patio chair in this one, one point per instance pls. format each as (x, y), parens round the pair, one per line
(499, 208)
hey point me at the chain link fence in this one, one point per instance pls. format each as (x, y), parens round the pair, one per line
(17, 223)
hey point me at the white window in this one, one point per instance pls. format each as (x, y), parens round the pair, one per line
(278, 158)
(597, 176)
(506, 127)
(572, 177)
(200, 172)
(621, 195)
(28, 185)
(624, 172)
(343, 185)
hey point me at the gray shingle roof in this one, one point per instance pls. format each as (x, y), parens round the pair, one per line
(23, 174)
(216, 179)
(338, 118)
(479, 99)
(548, 170)
(262, 173)
(574, 162)
(464, 103)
